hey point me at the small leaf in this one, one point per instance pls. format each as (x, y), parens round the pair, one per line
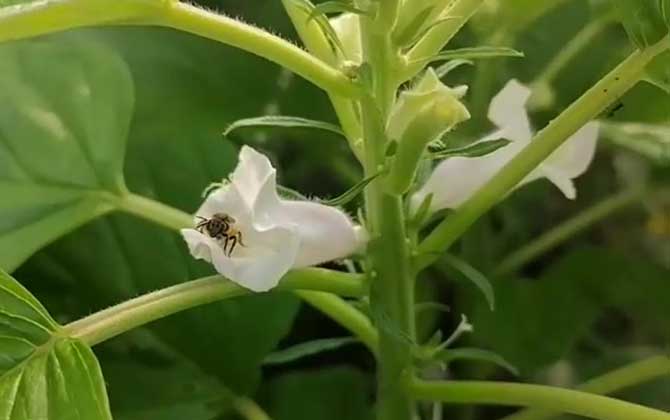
(351, 193)
(451, 65)
(282, 121)
(42, 374)
(307, 349)
(328, 7)
(474, 276)
(478, 149)
(449, 355)
(422, 212)
(472, 54)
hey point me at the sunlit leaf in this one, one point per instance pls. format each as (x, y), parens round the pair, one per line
(43, 374)
(62, 140)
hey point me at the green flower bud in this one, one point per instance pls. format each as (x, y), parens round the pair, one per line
(421, 115)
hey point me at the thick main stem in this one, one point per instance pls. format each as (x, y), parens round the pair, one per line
(392, 280)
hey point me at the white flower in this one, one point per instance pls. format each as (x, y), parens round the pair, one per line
(457, 179)
(276, 235)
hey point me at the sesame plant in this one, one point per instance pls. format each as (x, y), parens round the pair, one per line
(433, 142)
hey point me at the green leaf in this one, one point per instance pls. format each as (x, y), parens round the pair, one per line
(409, 34)
(449, 355)
(478, 149)
(284, 122)
(649, 140)
(473, 275)
(307, 349)
(172, 155)
(351, 193)
(646, 21)
(62, 140)
(43, 375)
(472, 53)
(658, 72)
(451, 65)
(327, 394)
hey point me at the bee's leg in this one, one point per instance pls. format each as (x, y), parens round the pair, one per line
(233, 243)
(225, 238)
(239, 239)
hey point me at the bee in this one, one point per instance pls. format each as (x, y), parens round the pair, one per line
(220, 227)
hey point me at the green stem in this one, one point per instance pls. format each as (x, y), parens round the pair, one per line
(188, 18)
(153, 211)
(459, 13)
(48, 16)
(611, 382)
(607, 91)
(568, 229)
(390, 271)
(131, 314)
(342, 313)
(539, 396)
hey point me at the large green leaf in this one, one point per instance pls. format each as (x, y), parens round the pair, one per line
(644, 20)
(42, 374)
(62, 140)
(175, 150)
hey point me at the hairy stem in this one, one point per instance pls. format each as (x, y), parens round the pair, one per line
(131, 314)
(390, 271)
(568, 229)
(607, 91)
(47, 16)
(538, 396)
(611, 382)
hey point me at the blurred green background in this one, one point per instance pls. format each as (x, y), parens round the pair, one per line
(592, 304)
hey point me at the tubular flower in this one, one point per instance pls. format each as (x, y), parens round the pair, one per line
(348, 29)
(253, 237)
(455, 180)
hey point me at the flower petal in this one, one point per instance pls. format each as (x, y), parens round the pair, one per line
(326, 233)
(454, 180)
(258, 272)
(252, 173)
(570, 160)
(508, 111)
